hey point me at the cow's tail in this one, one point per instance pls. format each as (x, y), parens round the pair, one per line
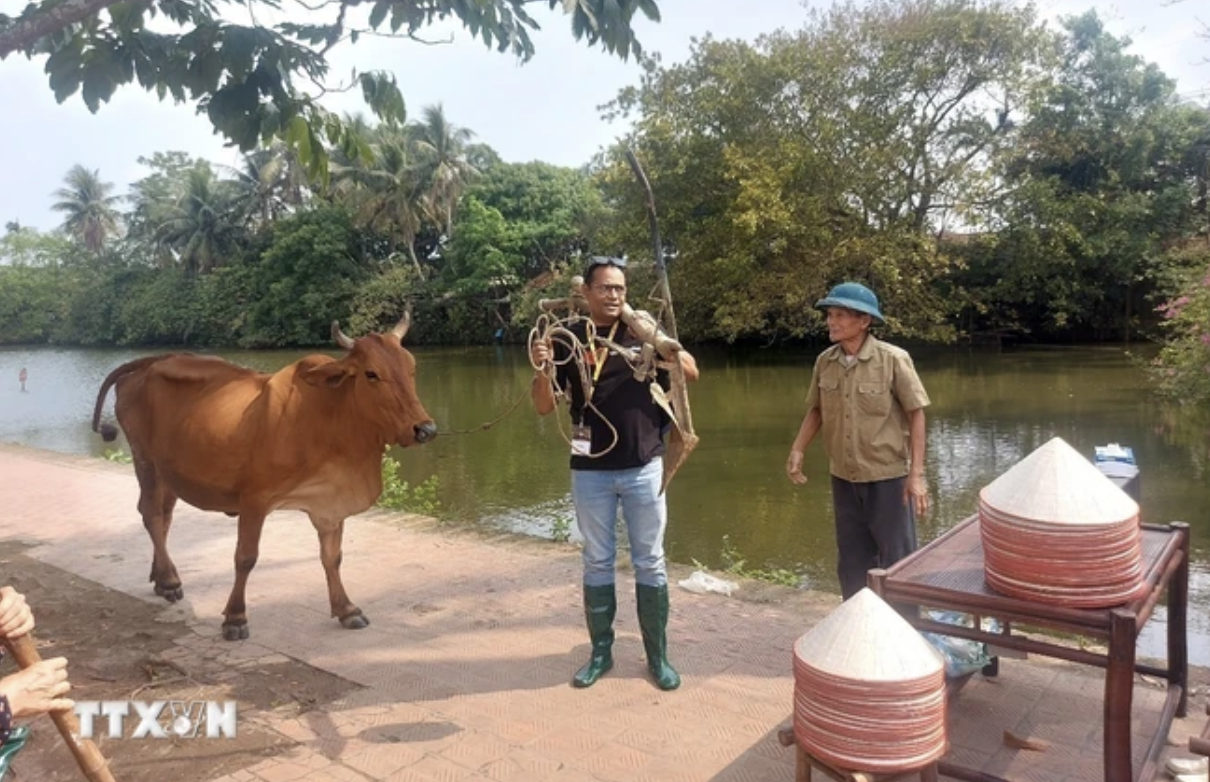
(108, 431)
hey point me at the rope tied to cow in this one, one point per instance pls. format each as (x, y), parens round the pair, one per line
(483, 427)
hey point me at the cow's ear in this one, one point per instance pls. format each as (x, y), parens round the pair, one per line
(330, 375)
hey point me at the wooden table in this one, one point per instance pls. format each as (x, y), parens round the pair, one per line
(947, 574)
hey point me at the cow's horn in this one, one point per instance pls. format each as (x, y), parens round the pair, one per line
(340, 338)
(401, 328)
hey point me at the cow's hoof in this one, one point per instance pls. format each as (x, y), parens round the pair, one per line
(235, 632)
(171, 594)
(355, 621)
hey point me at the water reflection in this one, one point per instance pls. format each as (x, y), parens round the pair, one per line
(989, 410)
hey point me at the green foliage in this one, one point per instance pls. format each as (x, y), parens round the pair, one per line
(1182, 369)
(783, 167)
(552, 213)
(196, 226)
(27, 247)
(397, 494)
(248, 78)
(486, 254)
(1099, 182)
(118, 455)
(89, 209)
(382, 300)
(305, 279)
(736, 565)
(979, 172)
(30, 309)
(159, 306)
(560, 529)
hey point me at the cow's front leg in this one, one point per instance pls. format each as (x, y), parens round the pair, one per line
(331, 534)
(247, 549)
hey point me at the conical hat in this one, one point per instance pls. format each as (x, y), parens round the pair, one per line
(1056, 484)
(865, 640)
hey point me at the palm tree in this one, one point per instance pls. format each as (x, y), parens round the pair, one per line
(86, 200)
(268, 184)
(197, 229)
(387, 194)
(442, 148)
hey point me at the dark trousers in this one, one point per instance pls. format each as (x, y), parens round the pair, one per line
(874, 528)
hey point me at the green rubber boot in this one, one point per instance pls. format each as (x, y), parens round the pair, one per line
(600, 606)
(653, 621)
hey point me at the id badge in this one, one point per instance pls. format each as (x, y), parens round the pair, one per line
(581, 440)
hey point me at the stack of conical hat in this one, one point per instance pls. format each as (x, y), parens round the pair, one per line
(869, 691)
(1055, 530)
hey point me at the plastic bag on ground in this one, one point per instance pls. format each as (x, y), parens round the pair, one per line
(702, 582)
(962, 656)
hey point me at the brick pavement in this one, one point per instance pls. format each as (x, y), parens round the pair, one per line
(464, 670)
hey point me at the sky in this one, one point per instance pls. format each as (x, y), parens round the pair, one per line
(546, 109)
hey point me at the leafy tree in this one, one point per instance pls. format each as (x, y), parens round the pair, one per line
(305, 279)
(832, 153)
(152, 198)
(913, 100)
(90, 212)
(381, 300)
(158, 307)
(249, 78)
(198, 227)
(441, 147)
(1100, 183)
(268, 185)
(1182, 369)
(31, 307)
(487, 252)
(387, 193)
(556, 212)
(21, 246)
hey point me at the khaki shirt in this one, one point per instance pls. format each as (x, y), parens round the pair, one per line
(864, 409)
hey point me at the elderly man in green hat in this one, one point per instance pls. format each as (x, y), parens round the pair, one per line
(868, 402)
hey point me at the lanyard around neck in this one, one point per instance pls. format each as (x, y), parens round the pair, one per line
(602, 354)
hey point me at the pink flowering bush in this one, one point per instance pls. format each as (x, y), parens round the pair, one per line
(1182, 368)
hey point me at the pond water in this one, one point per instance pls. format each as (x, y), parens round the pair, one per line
(732, 500)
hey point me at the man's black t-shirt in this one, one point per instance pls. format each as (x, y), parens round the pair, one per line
(621, 399)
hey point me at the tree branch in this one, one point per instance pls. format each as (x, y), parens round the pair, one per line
(398, 36)
(22, 33)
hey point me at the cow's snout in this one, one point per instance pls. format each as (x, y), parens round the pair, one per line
(425, 431)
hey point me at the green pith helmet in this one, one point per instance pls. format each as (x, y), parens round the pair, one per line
(854, 296)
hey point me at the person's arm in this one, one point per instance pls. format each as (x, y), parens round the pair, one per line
(542, 392)
(812, 422)
(916, 490)
(810, 426)
(911, 396)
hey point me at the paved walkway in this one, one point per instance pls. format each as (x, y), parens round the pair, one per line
(473, 642)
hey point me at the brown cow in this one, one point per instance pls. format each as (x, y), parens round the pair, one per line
(309, 437)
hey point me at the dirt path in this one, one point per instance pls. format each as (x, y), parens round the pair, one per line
(151, 660)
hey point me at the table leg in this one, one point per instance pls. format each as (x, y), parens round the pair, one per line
(1119, 695)
(802, 765)
(1178, 639)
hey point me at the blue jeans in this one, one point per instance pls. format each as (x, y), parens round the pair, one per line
(596, 494)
